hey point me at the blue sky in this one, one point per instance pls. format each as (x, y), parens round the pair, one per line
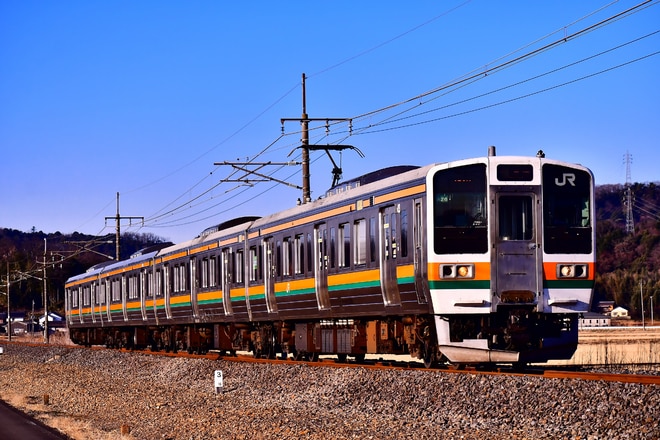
(142, 98)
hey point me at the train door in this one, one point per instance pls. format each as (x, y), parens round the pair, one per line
(269, 275)
(225, 278)
(421, 286)
(517, 254)
(193, 287)
(388, 254)
(321, 266)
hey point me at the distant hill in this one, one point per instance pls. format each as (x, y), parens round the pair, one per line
(67, 255)
(626, 260)
(623, 260)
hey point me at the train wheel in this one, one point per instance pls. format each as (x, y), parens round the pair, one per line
(359, 358)
(341, 357)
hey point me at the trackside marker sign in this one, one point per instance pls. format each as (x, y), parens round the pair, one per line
(218, 381)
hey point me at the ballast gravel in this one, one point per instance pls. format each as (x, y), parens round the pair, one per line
(141, 396)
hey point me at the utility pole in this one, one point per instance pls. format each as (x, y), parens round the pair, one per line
(306, 148)
(118, 218)
(46, 335)
(9, 330)
(304, 122)
(641, 298)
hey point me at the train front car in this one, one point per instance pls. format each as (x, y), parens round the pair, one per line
(511, 257)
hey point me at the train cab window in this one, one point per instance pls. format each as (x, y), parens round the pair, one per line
(344, 245)
(566, 210)
(360, 241)
(459, 210)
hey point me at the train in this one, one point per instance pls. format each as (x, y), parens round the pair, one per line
(484, 261)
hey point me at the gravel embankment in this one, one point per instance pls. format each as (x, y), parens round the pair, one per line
(174, 398)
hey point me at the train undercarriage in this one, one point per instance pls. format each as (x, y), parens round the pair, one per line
(301, 340)
(516, 336)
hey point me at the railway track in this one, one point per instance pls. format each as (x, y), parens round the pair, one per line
(171, 396)
(401, 363)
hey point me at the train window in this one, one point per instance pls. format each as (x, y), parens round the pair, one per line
(158, 285)
(176, 276)
(459, 210)
(344, 250)
(278, 258)
(116, 290)
(333, 244)
(150, 284)
(86, 296)
(310, 253)
(372, 238)
(183, 273)
(298, 254)
(418, 225)
(360, 241)
(239, 267)
(213, 271)
(515, 218)
(103, 292)
(403, 246)
(205, 273)
(286, 256)
(254, 264)
(566, 210)
(393, 233)
(143, 281)
(132, 287)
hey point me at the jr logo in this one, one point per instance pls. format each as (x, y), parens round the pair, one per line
(566, 178)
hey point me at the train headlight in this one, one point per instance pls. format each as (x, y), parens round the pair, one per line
(572, 270)
(457, 271)
(462, 271)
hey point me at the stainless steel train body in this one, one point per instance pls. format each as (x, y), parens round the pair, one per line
(487, 260)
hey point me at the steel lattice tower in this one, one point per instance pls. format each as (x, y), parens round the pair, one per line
(630, 224)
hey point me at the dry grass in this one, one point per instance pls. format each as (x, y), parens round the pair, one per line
(73, 427)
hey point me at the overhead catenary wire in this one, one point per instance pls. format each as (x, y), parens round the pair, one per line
(171, 214)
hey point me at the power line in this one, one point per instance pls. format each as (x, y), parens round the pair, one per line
(449, 86)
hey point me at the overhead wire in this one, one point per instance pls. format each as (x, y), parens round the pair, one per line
(468, 79)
